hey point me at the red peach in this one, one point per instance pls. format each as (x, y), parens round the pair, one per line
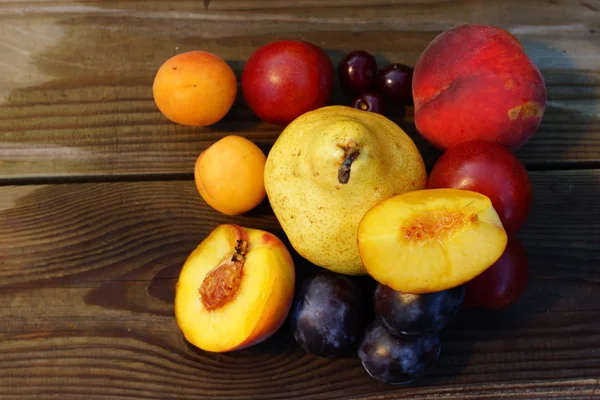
(475, 82)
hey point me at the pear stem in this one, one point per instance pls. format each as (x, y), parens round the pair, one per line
(344, 170)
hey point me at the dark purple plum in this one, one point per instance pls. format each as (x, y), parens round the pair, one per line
(394, 82)
(357, 71)
(370, 101)
(397, 360)
(416, 314)
(328, 314)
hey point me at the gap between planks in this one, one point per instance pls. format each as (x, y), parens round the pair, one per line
(189, 176)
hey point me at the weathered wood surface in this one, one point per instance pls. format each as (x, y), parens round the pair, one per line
(86, 305)
(75, 76)
(87, 270)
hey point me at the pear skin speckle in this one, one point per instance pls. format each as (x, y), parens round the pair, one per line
(318, 213)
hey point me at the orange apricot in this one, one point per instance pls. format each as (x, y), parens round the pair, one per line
(230, 175)
(235, 289)
(195, 88)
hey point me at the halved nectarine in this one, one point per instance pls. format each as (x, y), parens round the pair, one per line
(235, 289)
(430, 240)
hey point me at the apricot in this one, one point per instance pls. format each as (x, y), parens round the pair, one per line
(476, 82)
(235, 289)
(230, 175)
(430, 240)
(195, 88)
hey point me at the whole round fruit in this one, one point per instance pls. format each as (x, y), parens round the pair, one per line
(230, 175)
(285, 79)
(397, 360)
(490, 169)
(196, 88)
(476, 82)
(394, 81)
(357, 71)
(326, 169)
(327, 315)
(370, 101)
(417, 314)
(501, 285)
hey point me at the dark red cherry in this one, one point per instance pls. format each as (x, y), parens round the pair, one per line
(357, 72)
(370, 101)
(394, 82)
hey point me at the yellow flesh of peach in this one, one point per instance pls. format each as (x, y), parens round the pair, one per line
(265, 287)
(430, 240)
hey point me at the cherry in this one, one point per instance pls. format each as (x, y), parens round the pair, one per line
(357, 71)
(394, 81)
(370, 101)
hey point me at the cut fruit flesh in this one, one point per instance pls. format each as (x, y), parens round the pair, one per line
(258, 302)
(430, 240)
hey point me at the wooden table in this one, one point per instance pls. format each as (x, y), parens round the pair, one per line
(98, 209)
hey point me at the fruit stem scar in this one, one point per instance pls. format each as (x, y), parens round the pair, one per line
(350, 154)
(221, 284)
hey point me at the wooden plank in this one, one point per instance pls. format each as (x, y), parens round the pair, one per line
(87, 276)
(75, 76)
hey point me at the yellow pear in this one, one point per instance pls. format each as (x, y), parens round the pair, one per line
(327, 169)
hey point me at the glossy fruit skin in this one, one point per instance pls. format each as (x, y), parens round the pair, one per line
(357, 72)
(394, 81)
(490, 169)
(328, 314)
(370, 101)
(501, 285)
(397, 360)
(417, 314)
(284, 79)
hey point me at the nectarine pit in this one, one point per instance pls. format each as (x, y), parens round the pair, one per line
(221, 284)
(436, 225)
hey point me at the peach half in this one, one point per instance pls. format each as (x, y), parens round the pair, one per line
(235, 289)
(430, 240)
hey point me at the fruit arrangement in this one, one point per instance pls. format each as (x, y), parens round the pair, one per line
(354, 199)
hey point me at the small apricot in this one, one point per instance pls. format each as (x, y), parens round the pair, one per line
(235, 289)
(195, 88)
(229, 175)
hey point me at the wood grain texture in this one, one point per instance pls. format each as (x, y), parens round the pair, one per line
(87, 276)
(75, 76)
